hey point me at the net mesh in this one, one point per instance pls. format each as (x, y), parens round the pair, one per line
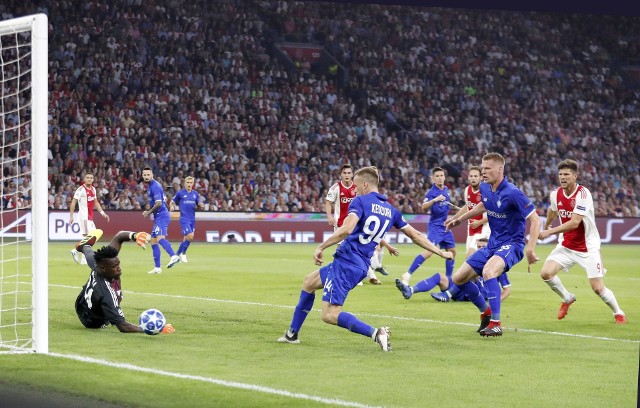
(16, 289)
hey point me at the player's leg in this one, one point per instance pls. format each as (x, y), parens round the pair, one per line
(597, 284)
(423, 286)
(89, 227)
(310, 284)
(417, 261)
(558, 260)
(464, 279)
(162, 223)
(449, 244)
(448, 292)
(595, 271)
(376, 260)
(502, 260)
(155, 248)
(187, 232)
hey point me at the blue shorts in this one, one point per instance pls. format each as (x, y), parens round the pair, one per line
(160, 225)
(188, 227)
(511, 254)
(442, 239)
(338, 279)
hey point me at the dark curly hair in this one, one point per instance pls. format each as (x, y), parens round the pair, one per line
(106, 252)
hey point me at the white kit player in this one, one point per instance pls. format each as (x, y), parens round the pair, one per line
(579, 241)
(336, 207)
(86, 198)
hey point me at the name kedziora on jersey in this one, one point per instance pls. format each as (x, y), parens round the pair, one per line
(378, 209)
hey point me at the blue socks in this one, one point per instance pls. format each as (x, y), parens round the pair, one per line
(416, 264)
(427, 284)
(167, 247)
(353, 324)
(493, 295)
(448, 263)
(155, 250)
(183, 247)
(472, 292)
(304, 306)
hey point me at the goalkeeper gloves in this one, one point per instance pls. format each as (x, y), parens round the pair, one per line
(168, 329)
(142, 238)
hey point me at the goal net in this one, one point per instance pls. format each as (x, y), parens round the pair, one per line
(24, 187)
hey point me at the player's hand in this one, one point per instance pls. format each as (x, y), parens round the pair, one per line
(142, 238)
(393, 250)
(447, 255)
(145, 214)
(168, 329)
(449, 224)
(106, 217)
(531, 259)
(476, 223)
(544, 234)
(317, 256)
(439, 198)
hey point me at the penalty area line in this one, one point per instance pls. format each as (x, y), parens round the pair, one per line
(224, 383)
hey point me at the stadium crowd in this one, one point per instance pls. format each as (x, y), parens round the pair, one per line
(195, 88)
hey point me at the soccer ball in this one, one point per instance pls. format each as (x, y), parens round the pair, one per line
(152, 321)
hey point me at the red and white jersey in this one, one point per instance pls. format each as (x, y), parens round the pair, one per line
(86, 200)
(341, 197)
(473, 198)
(585, 238)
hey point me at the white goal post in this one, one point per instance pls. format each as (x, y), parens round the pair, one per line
(24, 97)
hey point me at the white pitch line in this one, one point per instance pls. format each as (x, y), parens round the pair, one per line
(224, 383)
(413, 319)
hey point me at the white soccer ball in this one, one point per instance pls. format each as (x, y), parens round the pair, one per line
(152, 321)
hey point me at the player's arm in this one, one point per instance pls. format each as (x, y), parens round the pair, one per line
(506, 291)
(126, 327)
(551, 216)
(455, 221)
(572, 224)
(392, 250)
(328, 209)
(156, 205)
(534, 233)
(428, 204)
(424, 242)
(338, 235)
(101, 211)
(141, 238)
(72, 209)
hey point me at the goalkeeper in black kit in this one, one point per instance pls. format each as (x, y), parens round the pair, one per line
(98, 304)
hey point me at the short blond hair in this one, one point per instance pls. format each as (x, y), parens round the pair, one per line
(189, 178)
(497, 157)
(370, 174)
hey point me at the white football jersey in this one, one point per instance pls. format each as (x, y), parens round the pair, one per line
(585, 238)
(86, 199)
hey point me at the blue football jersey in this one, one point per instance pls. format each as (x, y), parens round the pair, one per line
(155, 193)
(439, 210)
(507, 210)
(376, 217)
(188, 202)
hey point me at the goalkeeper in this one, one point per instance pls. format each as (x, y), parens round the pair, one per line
(98, 304)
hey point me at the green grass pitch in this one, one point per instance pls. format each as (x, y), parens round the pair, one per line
(231, 302)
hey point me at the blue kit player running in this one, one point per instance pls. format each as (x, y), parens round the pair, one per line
(507, 209)
(370, 216)
(161, 218)
(187, 200)
(436, 199)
